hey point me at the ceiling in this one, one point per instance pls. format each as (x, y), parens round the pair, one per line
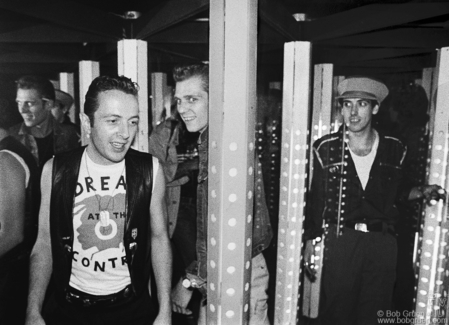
(357, 36)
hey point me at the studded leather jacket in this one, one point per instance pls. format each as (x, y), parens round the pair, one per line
(386, 185)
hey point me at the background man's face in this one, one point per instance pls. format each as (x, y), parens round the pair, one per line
(192, 103)
(116, 125)
(31, 106)
(58, 112)
(358, 113)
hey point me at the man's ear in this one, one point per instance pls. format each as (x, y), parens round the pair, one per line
(376, 109)
(85, 123)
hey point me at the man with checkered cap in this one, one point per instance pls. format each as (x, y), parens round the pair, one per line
(357, 179)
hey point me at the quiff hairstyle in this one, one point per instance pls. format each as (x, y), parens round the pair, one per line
(42, 85)
(184, 72)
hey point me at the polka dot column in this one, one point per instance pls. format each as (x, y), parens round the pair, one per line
(433, 275)
(293, 182)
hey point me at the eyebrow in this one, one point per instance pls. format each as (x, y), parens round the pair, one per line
(119, 116)
(358, 100)
(188, 96)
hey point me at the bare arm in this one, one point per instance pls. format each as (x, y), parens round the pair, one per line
(12, 202)
(160, 249)
(41, 261)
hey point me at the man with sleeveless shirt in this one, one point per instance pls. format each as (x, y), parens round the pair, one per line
(19, 207)
(357, 179)
(102, 224)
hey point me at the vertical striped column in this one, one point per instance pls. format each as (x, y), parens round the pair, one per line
(337, 118)
(88, 71)
(432, 290)
(67, 84)
(322, 105)
(293, 182)
(232, 104)
(158, 91)
(132, 62)
(426, 83)
(322, 124)
(322, 101)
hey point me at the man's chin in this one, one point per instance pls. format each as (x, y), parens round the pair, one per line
(195, 128)
(192, 129)
(29, 124)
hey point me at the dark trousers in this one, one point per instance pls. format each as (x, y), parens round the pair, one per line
(13, 289)
(184, 253)
(133, 311)
(358, 277)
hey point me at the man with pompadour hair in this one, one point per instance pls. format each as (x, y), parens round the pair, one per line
(192, 99)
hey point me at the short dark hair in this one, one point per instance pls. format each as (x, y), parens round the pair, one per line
(43, 86)
(184, 72)
(105, 83)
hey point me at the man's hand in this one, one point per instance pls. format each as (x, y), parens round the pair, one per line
(180, 297)
(430, 193)
(34, 318)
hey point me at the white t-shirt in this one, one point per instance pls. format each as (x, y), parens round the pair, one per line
(99, 261)
(363, 164)
(23, 163)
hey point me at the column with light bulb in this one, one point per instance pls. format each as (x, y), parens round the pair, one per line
(293, 179)
(232, 105)
(433, 267)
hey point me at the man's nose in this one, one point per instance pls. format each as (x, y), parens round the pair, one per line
(181, 107)
(124, 130)
(23, 108)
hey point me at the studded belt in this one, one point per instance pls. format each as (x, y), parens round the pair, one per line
(83, 299)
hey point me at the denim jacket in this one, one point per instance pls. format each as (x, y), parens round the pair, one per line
(377, 202)
(65, 138)
(162, 145)
(262, 232)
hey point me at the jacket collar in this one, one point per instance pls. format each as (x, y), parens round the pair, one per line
(203, 135)
(54, 126)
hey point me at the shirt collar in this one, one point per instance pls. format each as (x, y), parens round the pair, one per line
(203, 135)
(54, 127)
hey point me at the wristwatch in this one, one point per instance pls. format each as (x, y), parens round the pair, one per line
(186, 283)
(190, 284)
